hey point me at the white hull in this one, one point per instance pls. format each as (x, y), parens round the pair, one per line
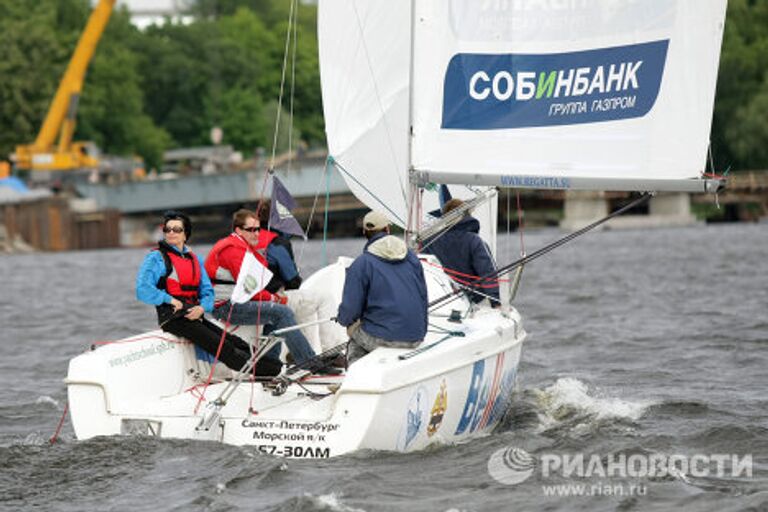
(459, 388)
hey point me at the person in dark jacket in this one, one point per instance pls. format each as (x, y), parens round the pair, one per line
(465, 257)
(384, 301)
(310, 306)
(282, 264)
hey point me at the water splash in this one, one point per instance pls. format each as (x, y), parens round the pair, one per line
(45, 399)
(569, 397)
(332, 502)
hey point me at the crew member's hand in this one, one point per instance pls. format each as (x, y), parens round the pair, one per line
(280, 299)
(177, 305)
(352, 328)
(194, 313)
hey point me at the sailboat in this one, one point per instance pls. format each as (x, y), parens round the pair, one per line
(583, 95)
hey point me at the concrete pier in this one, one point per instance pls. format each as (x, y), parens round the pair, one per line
(664, 210)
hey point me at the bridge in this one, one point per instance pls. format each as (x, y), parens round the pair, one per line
(212, 198)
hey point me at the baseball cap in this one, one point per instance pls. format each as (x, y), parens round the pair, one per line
(374, 221)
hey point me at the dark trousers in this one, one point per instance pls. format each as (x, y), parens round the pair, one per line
(206, 335)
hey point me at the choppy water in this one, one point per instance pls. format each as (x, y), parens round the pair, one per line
(640, 343)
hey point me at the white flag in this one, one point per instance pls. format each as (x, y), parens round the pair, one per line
(253, 277)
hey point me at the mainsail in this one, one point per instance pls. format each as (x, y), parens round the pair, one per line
(365, 67)
(584, 94)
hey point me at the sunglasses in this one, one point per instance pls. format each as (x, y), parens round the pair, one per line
(174, 229)
(251, 230)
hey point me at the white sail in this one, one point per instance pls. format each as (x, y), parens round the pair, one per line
(560, 94)
(604, 94)
(365, 61)
(365, 56)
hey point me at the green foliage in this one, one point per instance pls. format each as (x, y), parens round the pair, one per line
(740, 127)
(285, 134)
(111, 111)
(32, 58)
(240, 115)
(168, 85)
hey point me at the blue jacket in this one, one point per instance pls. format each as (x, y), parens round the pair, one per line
(279, 256)
(150, 272)
(386, 290)
(460, 248)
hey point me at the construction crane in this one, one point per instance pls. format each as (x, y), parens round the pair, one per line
(45, 154)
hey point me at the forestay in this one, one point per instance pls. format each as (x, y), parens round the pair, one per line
(585, 94)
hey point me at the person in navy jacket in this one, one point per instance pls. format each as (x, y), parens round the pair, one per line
(466, 257)
(384, 301)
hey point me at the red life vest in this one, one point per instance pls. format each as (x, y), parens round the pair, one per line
(265, 238)
(182, 278)
(223, 280)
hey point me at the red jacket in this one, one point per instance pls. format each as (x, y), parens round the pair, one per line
(224, 261)
(183, 280)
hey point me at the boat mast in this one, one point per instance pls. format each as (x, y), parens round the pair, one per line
(414, 199)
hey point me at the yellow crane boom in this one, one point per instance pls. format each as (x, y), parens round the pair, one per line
(44, 154)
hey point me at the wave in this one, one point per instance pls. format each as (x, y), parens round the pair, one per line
(45, 399)
(325, 502)
(570, 400)
(685, 408)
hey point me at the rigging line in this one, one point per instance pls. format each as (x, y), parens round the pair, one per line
(270, 167)
(55, 435)
(293, 87)
(282, 83)
(256, 342)
(520, 225)
(380, 104)
(216, 357)
(373, 196)
(424, 348)
(311, 393)
(508, 243)
(547, 248)
(443, 330)
(434, 238)
(474, 278)
(327, 207)
(309, 221)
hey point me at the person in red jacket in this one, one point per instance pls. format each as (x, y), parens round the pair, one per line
(223, 266)
(171, 279)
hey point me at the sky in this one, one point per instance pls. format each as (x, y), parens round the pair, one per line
(147, 12)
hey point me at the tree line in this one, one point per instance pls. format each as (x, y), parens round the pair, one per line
(167, 86)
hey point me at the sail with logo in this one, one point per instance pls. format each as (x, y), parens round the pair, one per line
(585, 95)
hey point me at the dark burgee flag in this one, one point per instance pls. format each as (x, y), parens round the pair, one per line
(280, 216)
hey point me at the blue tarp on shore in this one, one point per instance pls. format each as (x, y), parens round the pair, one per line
(15, 184)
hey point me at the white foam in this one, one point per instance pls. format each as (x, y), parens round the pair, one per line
(569, 395)
(45, 399)
(332, 502)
